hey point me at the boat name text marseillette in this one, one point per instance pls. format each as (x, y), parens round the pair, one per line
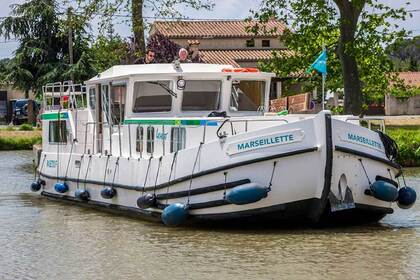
(265, 141)
(360, 140)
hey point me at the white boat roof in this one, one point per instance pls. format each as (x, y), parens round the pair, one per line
(120, 71)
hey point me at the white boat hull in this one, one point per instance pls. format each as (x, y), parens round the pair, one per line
(305, 175)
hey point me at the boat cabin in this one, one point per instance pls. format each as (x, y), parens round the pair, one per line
(151, 110)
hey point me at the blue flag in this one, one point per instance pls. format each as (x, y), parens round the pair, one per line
(320, 64)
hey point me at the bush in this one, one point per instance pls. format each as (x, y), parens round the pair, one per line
(408, 141)
(18, 143)
(26, 127)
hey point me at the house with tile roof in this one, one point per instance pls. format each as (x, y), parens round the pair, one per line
(404, 106)
(226, 41)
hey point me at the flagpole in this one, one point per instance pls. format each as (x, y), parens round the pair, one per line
(323, 82)
(323, 91)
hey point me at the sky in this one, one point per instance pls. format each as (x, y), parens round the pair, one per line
(223, 9)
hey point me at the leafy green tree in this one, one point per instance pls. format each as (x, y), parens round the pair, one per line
(160, 8)
(108, 51)
(405, 55)
(42, 55)
(353, 35)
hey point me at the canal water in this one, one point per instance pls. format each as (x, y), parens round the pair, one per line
(43, 239)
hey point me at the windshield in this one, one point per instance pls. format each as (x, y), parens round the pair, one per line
(152, 96)
(201, 95)
(21, 103)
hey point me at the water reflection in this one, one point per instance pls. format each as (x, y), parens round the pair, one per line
(43, 239)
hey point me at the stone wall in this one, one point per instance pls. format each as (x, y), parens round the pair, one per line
(398, 106)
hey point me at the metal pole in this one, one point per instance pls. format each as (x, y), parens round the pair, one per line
(69, 15)
(129, 139)
(323, 91)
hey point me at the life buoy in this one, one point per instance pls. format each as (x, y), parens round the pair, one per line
(240, 70)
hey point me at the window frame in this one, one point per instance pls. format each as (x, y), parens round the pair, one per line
(265, 41)
(250, 43)
(249, 80)
(219, 101)
(65, 135)
(139, 139)
(132, 101)
(182, 139)
(122, 107)
(150, 131)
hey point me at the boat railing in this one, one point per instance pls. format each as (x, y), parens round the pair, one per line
(64, 95)
(245, 122)
(376, 121)
(95, 141)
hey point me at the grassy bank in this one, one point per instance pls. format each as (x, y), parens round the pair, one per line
(408, 140)
(20, 138)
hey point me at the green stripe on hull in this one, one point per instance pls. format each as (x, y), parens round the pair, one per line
(154, 122)
(173, 122)
(54, 116)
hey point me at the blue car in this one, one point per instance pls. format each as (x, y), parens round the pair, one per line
(20, 110)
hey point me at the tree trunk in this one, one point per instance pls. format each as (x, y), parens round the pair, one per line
(138, 25)
(349, 14)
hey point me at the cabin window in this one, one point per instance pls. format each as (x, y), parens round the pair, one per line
(150, 140)
(57, 132)
(152, 96)
(247, 95)
(178, 137)
(139, 139)
(92, 98)
(118, 93)
(201, 95)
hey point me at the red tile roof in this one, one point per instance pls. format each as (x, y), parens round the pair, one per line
(216, 28)
(410, 78)
(232, 57)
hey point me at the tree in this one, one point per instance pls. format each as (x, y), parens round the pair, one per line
(160, 8)
(107, 52)
(354, 37)
(42, 56)
(165, 50)
(405, 55)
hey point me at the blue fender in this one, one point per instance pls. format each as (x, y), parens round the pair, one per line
(406, 197)
(61, 187)
(35, 186)
(175, 214)
(146, 201)
(384, 191)
(82, 194)
(108, 192)
(246, 193)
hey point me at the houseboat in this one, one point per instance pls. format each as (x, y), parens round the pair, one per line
(191, 143)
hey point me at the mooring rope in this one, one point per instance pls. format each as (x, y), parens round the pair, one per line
(147, 174)
(170, 173)
(272, 175)
(224, 192)
(68, 162)
(80, 169)
(361, 162)
(106, 167)
(36, 168)
(117, 166)
(87, 171)
(192, 172)
(157, 175)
